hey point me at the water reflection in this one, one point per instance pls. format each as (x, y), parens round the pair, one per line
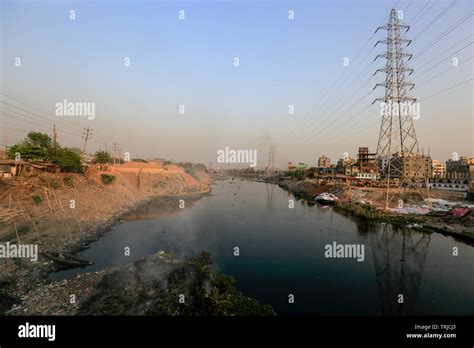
(399, 258)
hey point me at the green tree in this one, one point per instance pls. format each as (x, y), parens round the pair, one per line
(67, 159)
(200, 167)
(36, 146)
(102, 157)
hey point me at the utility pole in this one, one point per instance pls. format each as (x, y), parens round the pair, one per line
(86, 136)
(55, 136)
(398, 154)
(6, 146)
(114, 151)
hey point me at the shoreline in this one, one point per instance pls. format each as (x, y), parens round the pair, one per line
(368, 212)
(74, 231)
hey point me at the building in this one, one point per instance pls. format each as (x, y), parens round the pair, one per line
(470, 191)
(9, 168)
(324, 162)
(366, 161)
(417, 167)
(292, 166)
(302, 166)
(346, 166)
(459, 169)
(438, 169)
(367, 176)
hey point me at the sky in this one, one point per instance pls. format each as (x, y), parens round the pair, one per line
(189, 63)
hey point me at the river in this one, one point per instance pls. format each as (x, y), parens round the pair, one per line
(282, 252)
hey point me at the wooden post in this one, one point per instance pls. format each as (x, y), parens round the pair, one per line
(47, 199)
(16, 231)
(97, 210)
(34, 226)
(58, 202)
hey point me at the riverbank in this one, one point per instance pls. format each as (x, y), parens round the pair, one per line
(156, 285)
(65, 212)
(367, 204)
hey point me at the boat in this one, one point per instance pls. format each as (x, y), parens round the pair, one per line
(66, 260)
(326, 198)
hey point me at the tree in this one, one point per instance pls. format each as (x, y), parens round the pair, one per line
(102, 157)
(36, 146)
(67, 159)
(200, 167)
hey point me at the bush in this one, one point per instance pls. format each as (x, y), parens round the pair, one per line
(101, 157)
(107, 178)
(191, 172)
(68, 181)
(68, 159)
(37, 199)
(200, 167)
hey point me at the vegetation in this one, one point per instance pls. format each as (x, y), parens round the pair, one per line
(200, 167)
(139, 160)
(38, 146)
(159, 285)
(191, 172)
(107, 178)
(68, 159)
(37, 199)
(168, 162)
(102, 157)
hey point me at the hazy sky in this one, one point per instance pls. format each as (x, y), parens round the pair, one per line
(190, 62)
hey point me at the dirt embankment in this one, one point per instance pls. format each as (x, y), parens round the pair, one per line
(368, 203)
(63, 212)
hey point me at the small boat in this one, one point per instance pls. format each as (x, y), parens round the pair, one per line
(326, 198)
(66, 260)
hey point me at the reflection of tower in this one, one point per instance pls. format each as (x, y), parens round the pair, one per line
(399, 159)
(269, 195)
(271, 158)
(399, 258)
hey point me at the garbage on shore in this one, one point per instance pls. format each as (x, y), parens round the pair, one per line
(326, 198)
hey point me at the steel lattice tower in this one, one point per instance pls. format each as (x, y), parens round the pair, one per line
(271, 158)
(398, 153)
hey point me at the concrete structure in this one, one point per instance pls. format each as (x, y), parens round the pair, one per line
(438, 169)
(302, 166)
(459, 169)
(292, 166)
(367, 176)
(448, 184)
(417, 167)
(324, 162)
(366, 161)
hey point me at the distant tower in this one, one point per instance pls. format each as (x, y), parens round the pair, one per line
(399, 160)
(271, 158)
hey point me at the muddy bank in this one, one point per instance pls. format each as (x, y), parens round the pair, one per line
(156, 285)
(55, 225)
(366, 204)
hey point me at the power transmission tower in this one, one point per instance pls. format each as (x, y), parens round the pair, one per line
(271, 158)
(86, 136)
(398, 153)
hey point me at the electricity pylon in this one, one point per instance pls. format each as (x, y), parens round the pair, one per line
(271, 158)
(398, 154)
